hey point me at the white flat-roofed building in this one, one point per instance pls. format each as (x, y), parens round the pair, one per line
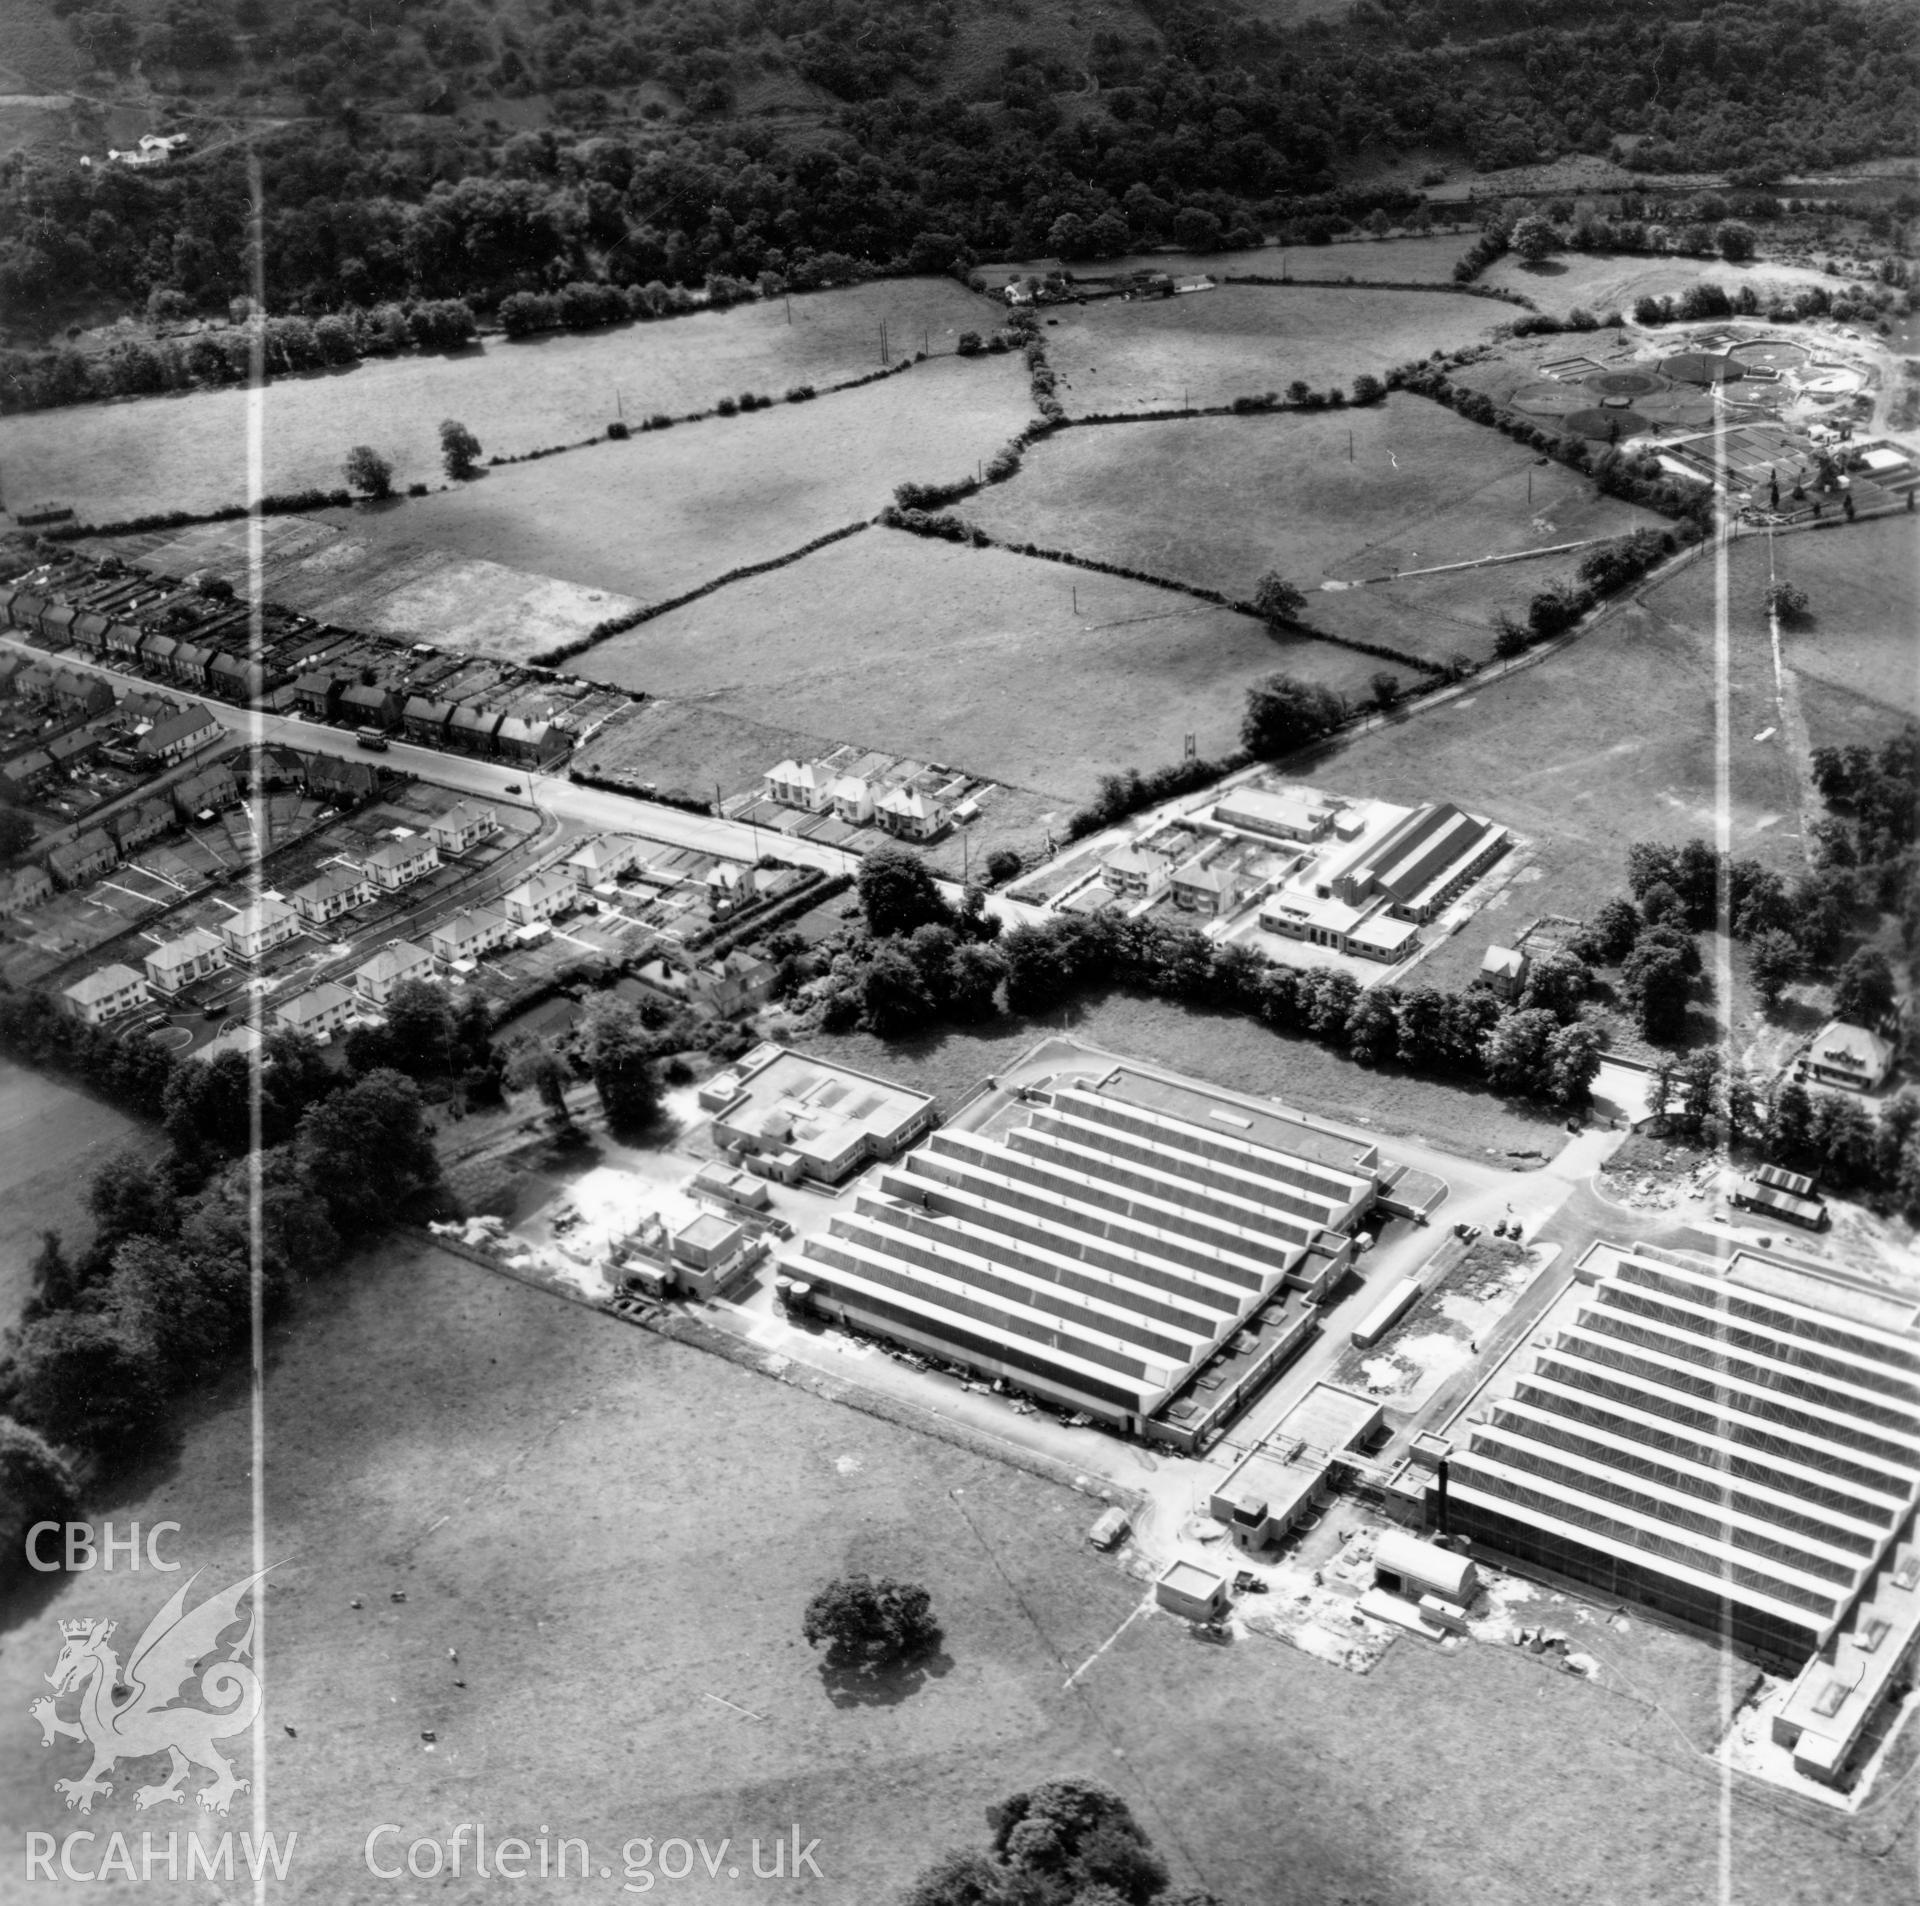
(463, 825)
(106, 995)
(831, 1118)
(177, 964)
(257, 929)
(1292, 814)
(318, 1013)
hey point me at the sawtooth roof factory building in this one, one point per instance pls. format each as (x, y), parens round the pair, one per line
(1128, 1244)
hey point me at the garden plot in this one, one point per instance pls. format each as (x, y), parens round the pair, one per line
(1210, 347)
(189, 452)
(663, 513)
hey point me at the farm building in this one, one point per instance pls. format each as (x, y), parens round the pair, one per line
(1732, 1443)
(1752, 1194)
(463, 825)
(105, 995)
(1849, 1056)
(1133, 1245)
(808, 1119)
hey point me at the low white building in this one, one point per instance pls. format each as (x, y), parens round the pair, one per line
(106, 995)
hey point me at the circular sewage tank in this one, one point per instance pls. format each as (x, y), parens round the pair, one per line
(1775, 354)
(1608, 426)
(1625, 383)
(1696, 367)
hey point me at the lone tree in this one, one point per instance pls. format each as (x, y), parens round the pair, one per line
(1284, 713)
(1277, 599)
(874, 1622)
(897, 892)
(1534, 239)
(536, 1065)
(1735, 241)
(368, 471)
(1064, 1843)
(1385, 688)
(1773, 958)
(1863, 993)
(459, 450)
(1788, 601)
(617, 1050)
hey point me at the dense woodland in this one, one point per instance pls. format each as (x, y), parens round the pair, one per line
(1214, 128)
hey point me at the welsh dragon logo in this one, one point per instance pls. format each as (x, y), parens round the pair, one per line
(142, 1710)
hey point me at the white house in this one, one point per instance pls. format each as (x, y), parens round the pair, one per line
(908, 813)
(399, 863)
(546, 894)
(462, 826)
(105, 995)
(728, 884)
(598, 861)
(800, 784)
(852, 796)
(319, 1013)
(256, 929)
(1205, 889)
(174, 738)
(375, 979)
(1849, 1055)
(1136, 873)
(338, 890)
(470, 933)
(179, 963)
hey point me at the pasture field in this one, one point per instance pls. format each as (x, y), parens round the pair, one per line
(53, 1138)
(539, 1483)
(1863, 589)
(1604, 742)
(1029, 672)
(1602, 282)
(189, 452)
(1239, 340)
(1218, 501)
(660, 514)
(404, 589)
(1412, 260)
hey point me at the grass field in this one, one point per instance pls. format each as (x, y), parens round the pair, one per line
(1608, 741)
(1217, 501)
(409, 590)
(558, 1498)
(1426, 260)
(52, 1140)
(663, 513)
(1239, 340)
(1604, 282)
(189, 452)
(1029, 672)
(1857, 660)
